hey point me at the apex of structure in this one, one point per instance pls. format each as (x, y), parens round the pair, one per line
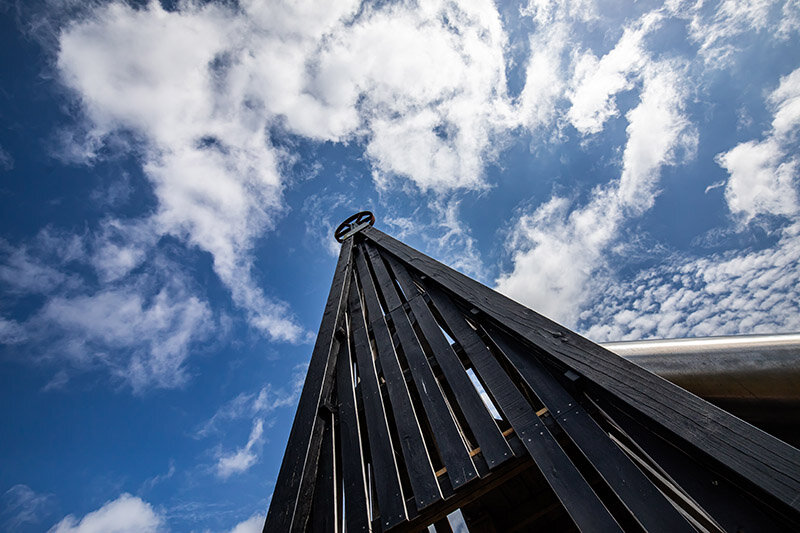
(428, 393)
(353, 224)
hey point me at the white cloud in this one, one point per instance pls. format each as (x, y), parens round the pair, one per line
(738, 292)
(597, 81)
(138, 323)
(23, 271)
(264, 402)
(254, 524)
(199, 88)
(126, 514)
(719, 27)
(764, 174)
(152, 72)
(144, 342)
(558, 251)
(759, 182)
(243, 458)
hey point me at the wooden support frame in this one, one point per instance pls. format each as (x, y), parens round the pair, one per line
(386, 430)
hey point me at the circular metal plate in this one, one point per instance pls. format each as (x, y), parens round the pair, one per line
(354, 224)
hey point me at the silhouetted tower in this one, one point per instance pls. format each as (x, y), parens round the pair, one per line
(428, 392)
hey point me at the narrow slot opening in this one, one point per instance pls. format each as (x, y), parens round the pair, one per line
(447, 391)
(487, 401)
(457, 522)
(510, 370)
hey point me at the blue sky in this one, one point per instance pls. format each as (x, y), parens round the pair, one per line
(171, 174)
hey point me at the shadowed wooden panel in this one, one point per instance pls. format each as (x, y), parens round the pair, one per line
(390, 494)
(448, 438)
(355, 487)
(491, 441)
(418, 463)
(574, 492)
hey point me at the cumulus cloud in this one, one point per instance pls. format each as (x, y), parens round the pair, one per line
(200, 89)
(764, 174)
(243, 458)
(558, 250)
(597, 81)
(161, 76)
(126, 514)
(254, 524)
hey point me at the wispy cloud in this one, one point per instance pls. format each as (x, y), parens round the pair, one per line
(21, 506)
(243, 458)
(252, 404)
(138, 323)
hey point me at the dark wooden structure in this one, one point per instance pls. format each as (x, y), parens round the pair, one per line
(428, 392)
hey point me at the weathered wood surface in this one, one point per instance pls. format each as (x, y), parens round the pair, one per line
(417, 461)
(770, 464)
(574, 492)
(306, 433)
(493, 444)
(353, 461)
(389, 492)
(645, 502)
(448, 438)
(325, 509)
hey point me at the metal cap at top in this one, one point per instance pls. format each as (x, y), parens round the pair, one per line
(354, 224)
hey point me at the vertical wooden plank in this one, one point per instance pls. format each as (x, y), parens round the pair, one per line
(355, 487)
(387, 486)
(574, 492)
(298, 468)
(452, 448)
(324, 510)
(645, 502)
(493, 444)
(418, 463)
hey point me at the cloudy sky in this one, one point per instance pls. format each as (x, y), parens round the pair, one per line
(171, 173)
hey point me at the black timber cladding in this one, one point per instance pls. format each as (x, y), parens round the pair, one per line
(392, 433)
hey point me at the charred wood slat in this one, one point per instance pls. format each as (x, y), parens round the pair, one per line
(306, 434)
(454, 453)
(389, 492)
(324, 511)
(647, 504)
(493, 444)
(418, 463)
(574, 492)
(355, 486)
(770, 464)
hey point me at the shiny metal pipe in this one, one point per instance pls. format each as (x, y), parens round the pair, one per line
(755, 377)
(747, 366)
